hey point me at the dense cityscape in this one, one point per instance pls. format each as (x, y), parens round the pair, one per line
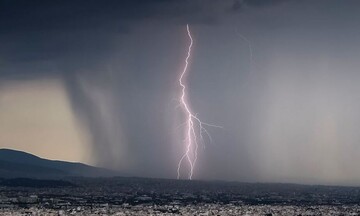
(141, 196)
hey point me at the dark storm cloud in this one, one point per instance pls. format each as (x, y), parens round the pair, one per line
(62, 30)
(43, 30)
(240, 4)
(23, 16)
(59, 30)
(262, 3)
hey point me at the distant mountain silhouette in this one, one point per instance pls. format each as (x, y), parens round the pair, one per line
(15, 164)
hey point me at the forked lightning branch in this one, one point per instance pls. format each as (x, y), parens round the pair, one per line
(193, 126)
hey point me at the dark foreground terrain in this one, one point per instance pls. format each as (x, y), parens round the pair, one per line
(140, 196)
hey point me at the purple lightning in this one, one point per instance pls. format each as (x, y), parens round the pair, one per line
(192, 121)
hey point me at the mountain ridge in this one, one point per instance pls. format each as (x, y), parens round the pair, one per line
(15, 164)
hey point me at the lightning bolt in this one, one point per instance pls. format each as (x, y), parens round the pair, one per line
(251, 65)
(249, 46)
(192, 123)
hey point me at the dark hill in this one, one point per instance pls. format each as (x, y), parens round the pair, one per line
(36, 183)
(14, 164)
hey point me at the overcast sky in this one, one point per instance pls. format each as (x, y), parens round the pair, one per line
(97, 82)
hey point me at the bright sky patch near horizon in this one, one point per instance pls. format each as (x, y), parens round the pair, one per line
(36, 117)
